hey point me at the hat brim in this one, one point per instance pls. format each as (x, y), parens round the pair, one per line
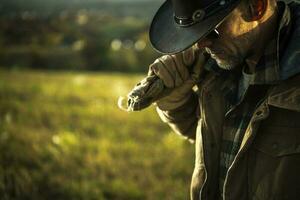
(168, 37)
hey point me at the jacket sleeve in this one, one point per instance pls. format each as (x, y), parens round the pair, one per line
(183, 120)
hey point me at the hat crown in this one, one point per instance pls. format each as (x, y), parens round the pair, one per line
(189, 12)
(185, 8)
(178, 24)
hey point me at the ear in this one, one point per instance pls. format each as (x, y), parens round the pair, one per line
(258, 9)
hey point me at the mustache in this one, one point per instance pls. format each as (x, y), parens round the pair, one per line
(224, 59)
(214, 52)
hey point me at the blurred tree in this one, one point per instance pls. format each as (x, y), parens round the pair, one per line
(75, 39)
(95, 49)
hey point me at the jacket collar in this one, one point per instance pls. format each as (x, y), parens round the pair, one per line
(289, 63)
(286, 95)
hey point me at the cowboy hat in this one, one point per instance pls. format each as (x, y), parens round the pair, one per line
(178, 24)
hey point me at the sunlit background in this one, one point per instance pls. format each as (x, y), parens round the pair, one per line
(63, 65)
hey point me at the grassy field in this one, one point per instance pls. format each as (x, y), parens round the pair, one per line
(62, 137)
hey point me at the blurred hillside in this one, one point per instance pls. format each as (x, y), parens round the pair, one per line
(135, 8)
(60, 133)
(61, 139)
(76, 34)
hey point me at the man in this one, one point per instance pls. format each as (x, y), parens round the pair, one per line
(244, 115)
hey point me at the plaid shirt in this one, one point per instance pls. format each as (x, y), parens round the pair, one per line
(240, 108)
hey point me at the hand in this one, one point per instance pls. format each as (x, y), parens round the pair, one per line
(179, 72)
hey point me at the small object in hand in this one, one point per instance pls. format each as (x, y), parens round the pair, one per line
(143, 94)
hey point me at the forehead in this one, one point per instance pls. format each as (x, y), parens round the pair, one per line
(239, 13)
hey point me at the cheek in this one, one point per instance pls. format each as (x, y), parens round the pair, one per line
(235, 26)
(236, 36)
(234, 30)
(246, 28)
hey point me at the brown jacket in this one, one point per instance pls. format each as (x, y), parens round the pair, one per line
(267, 165)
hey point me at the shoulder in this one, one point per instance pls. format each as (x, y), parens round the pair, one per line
(290, 57)
(294, 6)
(286, 94)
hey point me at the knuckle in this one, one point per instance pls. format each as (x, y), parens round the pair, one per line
(164, 58)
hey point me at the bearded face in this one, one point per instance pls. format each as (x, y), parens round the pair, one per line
(238, 37)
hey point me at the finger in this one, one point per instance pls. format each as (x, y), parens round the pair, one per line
(174, 63)
(198, 67)
(162, 70)
(180, 68)
(171, 65)
(189, 56)
(152, 68)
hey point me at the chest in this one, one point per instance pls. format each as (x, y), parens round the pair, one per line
(222, 109)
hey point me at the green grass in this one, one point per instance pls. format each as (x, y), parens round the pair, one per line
(63, 137)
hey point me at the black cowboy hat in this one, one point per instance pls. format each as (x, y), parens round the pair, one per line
(178, 24)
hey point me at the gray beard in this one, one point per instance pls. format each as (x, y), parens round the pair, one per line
(226, 66)
(230, 63)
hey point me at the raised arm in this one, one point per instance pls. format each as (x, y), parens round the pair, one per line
(180, 72)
